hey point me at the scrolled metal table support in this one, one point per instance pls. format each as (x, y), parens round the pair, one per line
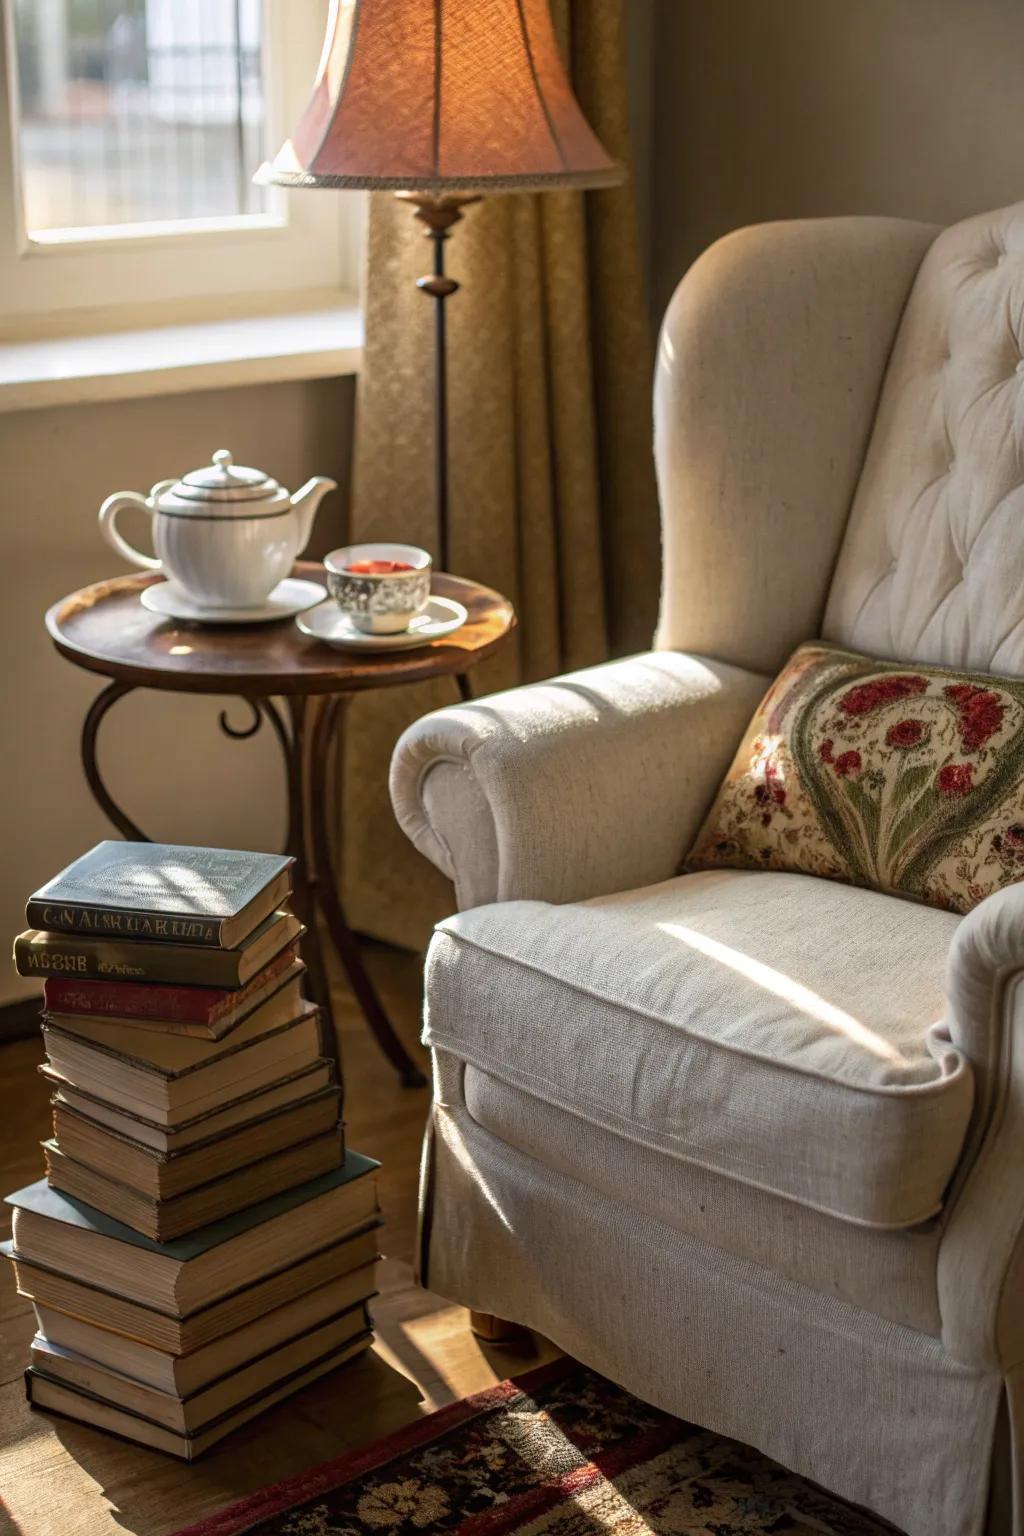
(291, 737)
(100, 793)
(241, 732)
(305, 735)
(325, 887)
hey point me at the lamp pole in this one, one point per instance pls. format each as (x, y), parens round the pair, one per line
(439, 214)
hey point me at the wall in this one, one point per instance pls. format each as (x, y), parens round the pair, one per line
(164, 757)
(769, 109)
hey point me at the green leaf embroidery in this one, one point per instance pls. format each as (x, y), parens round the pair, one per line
(910, 782)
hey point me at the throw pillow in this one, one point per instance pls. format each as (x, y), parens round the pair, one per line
(904, 779)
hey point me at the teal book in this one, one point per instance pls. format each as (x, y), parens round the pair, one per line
(270, 1251)
(42, 1200)
(163, 893)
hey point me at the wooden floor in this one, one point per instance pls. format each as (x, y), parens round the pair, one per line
(62, 1479)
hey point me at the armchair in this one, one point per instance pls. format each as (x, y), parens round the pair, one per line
(751, 1144)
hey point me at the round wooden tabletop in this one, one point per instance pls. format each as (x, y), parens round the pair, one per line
(105, 629)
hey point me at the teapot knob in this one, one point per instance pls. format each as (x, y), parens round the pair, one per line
(223, 459)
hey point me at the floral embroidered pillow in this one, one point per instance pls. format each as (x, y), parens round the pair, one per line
(904, 779)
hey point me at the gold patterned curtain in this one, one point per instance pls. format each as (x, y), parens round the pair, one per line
(553, 498)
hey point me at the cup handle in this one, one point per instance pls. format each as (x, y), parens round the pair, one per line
(108, 526)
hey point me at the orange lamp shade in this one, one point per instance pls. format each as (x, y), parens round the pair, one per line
(441, 95)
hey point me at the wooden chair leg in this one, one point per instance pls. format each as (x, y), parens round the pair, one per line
(494, 1330)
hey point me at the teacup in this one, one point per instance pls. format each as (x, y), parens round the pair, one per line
(379, 587)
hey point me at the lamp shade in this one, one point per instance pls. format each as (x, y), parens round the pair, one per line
(442, 95)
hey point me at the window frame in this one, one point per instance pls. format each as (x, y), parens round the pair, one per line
(304, 242)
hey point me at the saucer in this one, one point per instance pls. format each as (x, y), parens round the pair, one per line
(288, 598)
(440, 617)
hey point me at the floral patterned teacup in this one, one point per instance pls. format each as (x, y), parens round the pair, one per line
(379, 587)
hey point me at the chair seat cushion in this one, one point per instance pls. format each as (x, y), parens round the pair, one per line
(775, 1028)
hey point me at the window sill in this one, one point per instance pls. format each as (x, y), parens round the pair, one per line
(313, 336)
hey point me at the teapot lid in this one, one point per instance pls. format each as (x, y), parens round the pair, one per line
(224, 480)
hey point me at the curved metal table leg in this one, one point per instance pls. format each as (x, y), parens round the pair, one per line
(293, 750)
(100, 793)
(305, 739)
(326, 891)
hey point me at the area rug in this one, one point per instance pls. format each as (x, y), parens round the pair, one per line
(560, 1452)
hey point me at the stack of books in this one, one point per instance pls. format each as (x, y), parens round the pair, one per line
(202, 1244)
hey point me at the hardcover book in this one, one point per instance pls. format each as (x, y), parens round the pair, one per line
(91, 957)
(166, 893)
(189, 1415)
(284, 994)
(179, 1277)
(160, 1176)
(206, 1012)
(242, 1111)
(56, 1396)
(183, 1374)
(347, 1256)
(163, 1220)
(167, 1078)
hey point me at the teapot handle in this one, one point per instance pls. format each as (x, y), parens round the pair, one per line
(108, 527)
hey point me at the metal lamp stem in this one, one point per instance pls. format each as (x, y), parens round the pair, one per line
(441, 290)
(439, 214)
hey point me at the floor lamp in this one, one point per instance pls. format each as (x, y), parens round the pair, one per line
(442, 101)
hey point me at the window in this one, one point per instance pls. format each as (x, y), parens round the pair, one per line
(128, 148)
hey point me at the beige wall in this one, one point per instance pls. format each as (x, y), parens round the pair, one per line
(769, 109)
(164, 758)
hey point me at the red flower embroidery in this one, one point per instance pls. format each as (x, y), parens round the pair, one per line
(955, 779)
(905, 733)
(1009, 845)
(825, 751)
(980, 712)
(881, 690)
(848, 765)
(771, 791)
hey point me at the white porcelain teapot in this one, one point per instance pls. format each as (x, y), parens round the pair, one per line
(226, 534)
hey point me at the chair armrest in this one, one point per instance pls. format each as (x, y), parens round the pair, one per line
(981, 1258)
(590, 783)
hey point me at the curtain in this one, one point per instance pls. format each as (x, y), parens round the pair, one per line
(552, 497)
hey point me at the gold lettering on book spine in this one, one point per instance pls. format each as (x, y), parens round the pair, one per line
(43, 960)
(132, 925)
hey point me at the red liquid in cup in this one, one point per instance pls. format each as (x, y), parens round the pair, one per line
(379, 567)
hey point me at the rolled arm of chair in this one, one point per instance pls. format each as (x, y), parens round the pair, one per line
(981, 1257)
(587, 784)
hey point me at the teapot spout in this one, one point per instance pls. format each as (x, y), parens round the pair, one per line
(306, 503)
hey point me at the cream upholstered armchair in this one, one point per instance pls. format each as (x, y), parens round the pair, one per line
(707, 1131)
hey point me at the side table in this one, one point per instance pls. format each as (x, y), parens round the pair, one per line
(301, 687)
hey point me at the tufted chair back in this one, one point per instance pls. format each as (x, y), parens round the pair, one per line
(840, 441)
(932, 565)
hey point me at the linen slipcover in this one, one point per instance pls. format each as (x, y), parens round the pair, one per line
(704, 1017)
(883, 1415)
(839, 424)
(891, 1273)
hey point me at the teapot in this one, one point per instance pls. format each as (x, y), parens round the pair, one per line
(225, 534)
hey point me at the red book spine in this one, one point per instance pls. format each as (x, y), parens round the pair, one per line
(149, 1000)
(135, 1000)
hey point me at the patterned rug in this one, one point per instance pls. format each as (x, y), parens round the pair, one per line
(560, 1452)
